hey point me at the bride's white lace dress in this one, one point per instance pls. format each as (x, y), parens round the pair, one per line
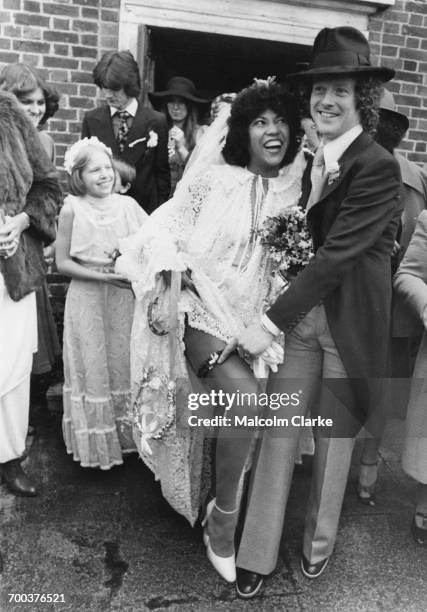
(209, 227)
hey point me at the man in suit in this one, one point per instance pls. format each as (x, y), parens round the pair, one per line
(406, 327)
(135, 133)
(336, 313)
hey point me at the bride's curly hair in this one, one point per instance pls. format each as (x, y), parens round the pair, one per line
(247, 106)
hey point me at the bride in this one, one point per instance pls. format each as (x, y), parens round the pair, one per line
(200, 273)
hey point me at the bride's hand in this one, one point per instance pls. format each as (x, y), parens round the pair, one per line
(251, 342)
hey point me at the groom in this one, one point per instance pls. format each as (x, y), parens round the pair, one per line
(336, 313)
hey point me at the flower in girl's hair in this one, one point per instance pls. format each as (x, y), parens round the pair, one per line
(72, 152)
(288, 241)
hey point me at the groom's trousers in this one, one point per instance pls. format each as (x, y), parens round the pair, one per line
(310, 356)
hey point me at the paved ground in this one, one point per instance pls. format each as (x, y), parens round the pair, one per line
(108, 541)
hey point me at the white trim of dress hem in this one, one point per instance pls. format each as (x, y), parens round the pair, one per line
(92, 430)
(94, 465)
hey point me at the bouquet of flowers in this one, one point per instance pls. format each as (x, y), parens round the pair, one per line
(288, 241)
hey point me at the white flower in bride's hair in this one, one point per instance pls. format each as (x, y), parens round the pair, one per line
(270, 80)
(152, 140)
(72, 153)
(333, 172)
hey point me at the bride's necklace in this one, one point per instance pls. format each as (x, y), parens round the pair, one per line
(258, 191)
(258, 194)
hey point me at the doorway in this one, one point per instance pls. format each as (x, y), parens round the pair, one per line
(218, 63)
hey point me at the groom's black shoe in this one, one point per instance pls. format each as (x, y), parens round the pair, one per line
(313, 570)
(248, 584)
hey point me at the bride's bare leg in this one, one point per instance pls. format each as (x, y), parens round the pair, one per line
(232, 446)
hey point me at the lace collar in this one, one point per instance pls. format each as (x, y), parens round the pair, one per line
(232, 175)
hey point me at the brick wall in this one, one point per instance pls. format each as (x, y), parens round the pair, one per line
(63, 39)
(398, 38)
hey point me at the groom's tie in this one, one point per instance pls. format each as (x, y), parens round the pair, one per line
(316, 176)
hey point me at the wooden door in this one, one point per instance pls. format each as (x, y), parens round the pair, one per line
(146, 62)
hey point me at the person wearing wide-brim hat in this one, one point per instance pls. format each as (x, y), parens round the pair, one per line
(335, 313)
(178, 86)
(180, 103)
(406, 328)
(339, 51)
(409, 323)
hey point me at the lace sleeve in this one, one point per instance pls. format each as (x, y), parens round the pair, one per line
(198, 193)
(160, 244)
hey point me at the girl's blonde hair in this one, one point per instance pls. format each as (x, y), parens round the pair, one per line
(80, 160)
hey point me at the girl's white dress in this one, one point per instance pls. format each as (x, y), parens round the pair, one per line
(210, 228)
(97, 325)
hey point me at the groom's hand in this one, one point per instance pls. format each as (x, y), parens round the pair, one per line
(251, 342)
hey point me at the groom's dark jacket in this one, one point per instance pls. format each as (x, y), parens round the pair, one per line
(353, 226)
(152, 184)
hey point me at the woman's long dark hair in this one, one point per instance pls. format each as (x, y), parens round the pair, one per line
(248, 105)
(190, 122)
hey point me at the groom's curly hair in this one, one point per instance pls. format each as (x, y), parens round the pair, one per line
(247, 106)
(368, 93)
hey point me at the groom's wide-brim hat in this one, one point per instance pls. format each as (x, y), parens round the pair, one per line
(342, 51)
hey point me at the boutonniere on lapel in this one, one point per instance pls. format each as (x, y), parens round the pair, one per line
(333, 173)
(152, 141)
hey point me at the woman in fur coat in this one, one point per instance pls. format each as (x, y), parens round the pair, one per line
(40, 102)
(29, 199)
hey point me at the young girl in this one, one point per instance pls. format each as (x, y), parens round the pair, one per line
(98, 309)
